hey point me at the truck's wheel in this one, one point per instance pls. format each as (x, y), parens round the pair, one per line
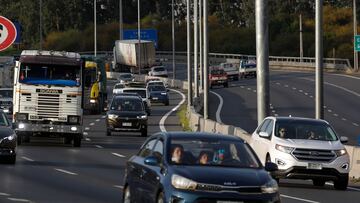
(77, 141)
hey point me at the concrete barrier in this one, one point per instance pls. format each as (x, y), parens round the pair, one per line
(242, 134)
(194, 119)
(354, 153)
(210, 126)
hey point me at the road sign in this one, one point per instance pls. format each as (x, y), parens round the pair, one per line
(7, 33)
(357, 42)
(145, 34)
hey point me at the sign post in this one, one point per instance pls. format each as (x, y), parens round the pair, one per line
(7, 33)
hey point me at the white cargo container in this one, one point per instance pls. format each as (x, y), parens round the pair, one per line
(126, 55)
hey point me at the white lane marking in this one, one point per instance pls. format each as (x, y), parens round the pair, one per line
(306, 93)
(163, 119)
(119, 155)
(249, 88)
(276, 114)
(351, 188)
(218, 111)
(85, 133)
(91, 124)
(271, 107)
(87, 128)
(98, 146)
(242, 87)
(273, 111)
(97, 120)
(278, 83)
(119, 186)
(4, 194)
(17, 199)
(294, 88)
(335, 114)
(103, 116)
(65, 171)
(355, 124)
(300, 199)
(348, 76)
(87, 139)
(26, 158)
(254, 91)
(286, 85)
(300, 90)
(311, 96)
(343, 88)
(329, 110)
(325, 107)
(344, 119)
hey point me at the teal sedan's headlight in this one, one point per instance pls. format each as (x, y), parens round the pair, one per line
(180, 182)
(270, 187)
(10, 137)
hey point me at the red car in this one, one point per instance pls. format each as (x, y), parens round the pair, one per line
(218, 77)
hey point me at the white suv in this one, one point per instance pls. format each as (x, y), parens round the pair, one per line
(303, 148)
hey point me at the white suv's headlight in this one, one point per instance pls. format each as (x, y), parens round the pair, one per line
(284, 148)
(180, 182)
(341, 152)
(270, 187)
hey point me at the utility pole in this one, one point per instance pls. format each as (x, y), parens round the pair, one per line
(262, 58)
(95, 38)
(356, 60)
(121, 19)
(205, 68)
(301, 38)
(139, 37)
(173, 37)
(40, 26)
(319, 101)
(188, 54)
(196, 45)
(201, 46)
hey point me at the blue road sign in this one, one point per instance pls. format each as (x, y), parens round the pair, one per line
(145, 34)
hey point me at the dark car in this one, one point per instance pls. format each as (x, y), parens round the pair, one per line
(8, 139)
(6, 97)
(158, 94)
(127, 113)
(198, 167)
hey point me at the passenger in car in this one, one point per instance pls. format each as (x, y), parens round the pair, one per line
(203, 157)
(282, 133)
(177, 154)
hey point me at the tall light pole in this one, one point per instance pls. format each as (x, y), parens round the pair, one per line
(120, 20)
(319, 101)
(40, 26)
(196, 45)
(95, 38)
(301, 38)
(188, 54)
(356, 62)
(201, 45)
(205, 68)
(139, 37)
(262, 59)
(173, 37)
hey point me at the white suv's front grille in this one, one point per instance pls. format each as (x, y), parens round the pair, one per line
(314, 155)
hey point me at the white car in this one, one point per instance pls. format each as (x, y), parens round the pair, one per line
(143, 92)
(303, 148)
(159, 71)
(156, 82)
(118, 88)
(126, 77)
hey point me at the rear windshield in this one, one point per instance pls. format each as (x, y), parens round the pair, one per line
(3, 120)
(157, 88)
(119, 86)
(125, 76)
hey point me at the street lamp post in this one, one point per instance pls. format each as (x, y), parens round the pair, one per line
(188, 54)
(120, 20)
(356, 62)
(139, 37)
(196, 45)
(173, 37)
(319, 101)
(205, 58)
(95, 38)
(40, 26)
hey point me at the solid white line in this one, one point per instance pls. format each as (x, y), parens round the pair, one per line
(218, 111)
(4, 194)
(343, 88)
(163, 119)
(119, 186)
(26, 158)
(119, 155)
(65, 171)
(87, 128)
(98, 146)
(18, 200)
(348, 76)
(300, 199)
(97, 120)
(92, 124)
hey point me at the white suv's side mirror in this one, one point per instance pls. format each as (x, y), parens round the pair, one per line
(264, 135)
(344, 139)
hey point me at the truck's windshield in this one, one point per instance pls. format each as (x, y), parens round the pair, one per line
(6, 93)
(39, 74)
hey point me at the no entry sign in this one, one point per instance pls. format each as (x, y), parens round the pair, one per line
(7, 33)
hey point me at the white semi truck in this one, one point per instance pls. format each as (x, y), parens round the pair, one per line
(48, 98)
(126, 55)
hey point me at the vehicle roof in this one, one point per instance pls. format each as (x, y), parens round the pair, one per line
(199, 135)
(119, 96)
(134, 88)
(284, 118)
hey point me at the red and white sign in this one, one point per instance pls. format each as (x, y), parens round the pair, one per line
(7, 33)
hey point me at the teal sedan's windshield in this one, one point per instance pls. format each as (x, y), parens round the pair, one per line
(204, 152)
(3, 120)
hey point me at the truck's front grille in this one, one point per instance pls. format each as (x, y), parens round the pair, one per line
(48, 105)
(313, 155)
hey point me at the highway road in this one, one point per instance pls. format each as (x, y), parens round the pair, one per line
(48, 171)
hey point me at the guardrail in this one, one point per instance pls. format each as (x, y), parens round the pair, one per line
(199, 124)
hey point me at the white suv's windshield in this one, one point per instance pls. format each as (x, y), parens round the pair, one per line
(209, 152)
(304, 130)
